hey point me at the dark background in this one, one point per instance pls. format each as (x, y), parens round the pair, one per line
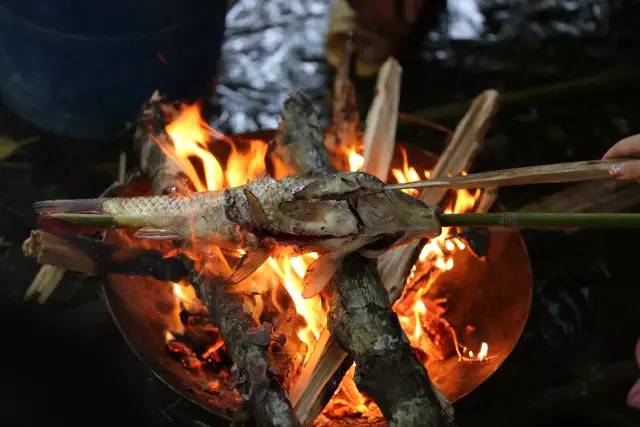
(65, 362)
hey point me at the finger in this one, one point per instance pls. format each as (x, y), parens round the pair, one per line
(626, 170)
(627, 147)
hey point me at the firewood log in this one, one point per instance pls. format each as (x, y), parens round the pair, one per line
(95, 257)
(248, 349)
(165, 173)
(362, 321)
(465, 143)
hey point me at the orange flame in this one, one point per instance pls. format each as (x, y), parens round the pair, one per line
(192, 142)
(194, 145)
(421, 319)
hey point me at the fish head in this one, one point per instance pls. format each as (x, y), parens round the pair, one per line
(396, 218)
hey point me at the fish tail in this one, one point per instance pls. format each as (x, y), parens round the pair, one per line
(87, 206)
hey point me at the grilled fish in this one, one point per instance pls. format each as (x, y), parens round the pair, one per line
(332, 215)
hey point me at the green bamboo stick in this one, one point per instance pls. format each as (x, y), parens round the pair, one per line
(92, 220)
(542, 220)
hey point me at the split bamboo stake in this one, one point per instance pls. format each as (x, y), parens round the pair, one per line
(542, 174)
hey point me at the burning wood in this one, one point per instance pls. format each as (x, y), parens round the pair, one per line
(91, 256)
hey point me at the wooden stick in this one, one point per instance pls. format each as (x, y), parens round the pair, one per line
(543, 174)
(95, 257)
(45, 282)
(380, 134)
(319, 378)
(49, 277)
(394, 265)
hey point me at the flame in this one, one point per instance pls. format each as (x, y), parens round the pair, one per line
(196, 147)
(290, 271)
(421, 319)
(407, 173)
(186, 297)
(190, 136)
(194, 143)
(356, 160)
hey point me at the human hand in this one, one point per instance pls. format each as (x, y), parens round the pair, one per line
(627, 147)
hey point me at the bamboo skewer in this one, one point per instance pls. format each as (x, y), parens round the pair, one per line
(543, 174)
(542, 220)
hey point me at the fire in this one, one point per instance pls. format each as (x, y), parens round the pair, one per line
(290, 271)
(421, 319)
(194, 144)
(213, 161)
(191, 136)
(407, 173)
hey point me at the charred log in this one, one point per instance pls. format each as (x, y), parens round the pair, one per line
(247, 343)
(299, 143)
(91, 256)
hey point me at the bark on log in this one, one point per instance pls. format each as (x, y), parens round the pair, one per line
(266, 399)
(243, 340)
(361, 319)
(165, 173)
(298, 146)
